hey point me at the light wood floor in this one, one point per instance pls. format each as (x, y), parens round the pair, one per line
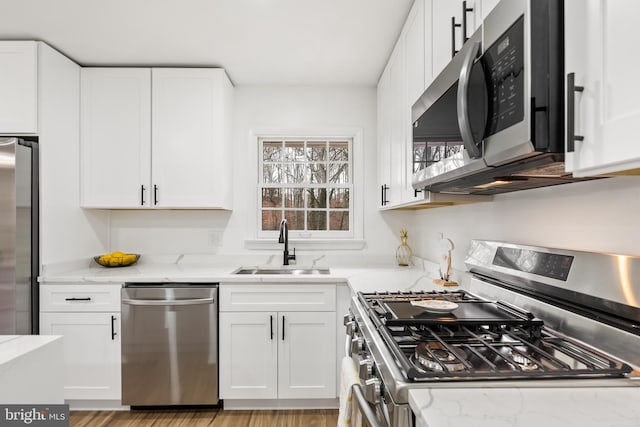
(208, 417)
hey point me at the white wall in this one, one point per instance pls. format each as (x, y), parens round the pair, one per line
(599, 216)
(67, 233)
(264, 108)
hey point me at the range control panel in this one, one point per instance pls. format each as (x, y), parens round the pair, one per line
(554, 266)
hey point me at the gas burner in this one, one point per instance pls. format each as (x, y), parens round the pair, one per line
(434, 356)
(519, 355)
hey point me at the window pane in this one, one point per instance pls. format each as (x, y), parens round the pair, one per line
(271, 151)
(339, 173)
(339, 198)
(318, 173)
(295, 219)
(293, 198)
(339, 151)
(272, 173)
(293, 174)
(316, 220)
(271, 198)
(317, 151)
(316, 198)
(294, 151)
(271, 220)
(339, 220)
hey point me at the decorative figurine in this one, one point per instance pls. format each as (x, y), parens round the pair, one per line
(403, 253)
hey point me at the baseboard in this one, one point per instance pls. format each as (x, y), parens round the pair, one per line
(231, 404)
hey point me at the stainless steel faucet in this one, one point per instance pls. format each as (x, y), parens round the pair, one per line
(284, 238)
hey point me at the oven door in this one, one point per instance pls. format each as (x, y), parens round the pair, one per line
(449, 120)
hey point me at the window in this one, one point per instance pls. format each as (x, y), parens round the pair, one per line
(309, 182)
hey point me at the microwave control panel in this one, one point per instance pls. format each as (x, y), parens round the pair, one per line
(504, 71)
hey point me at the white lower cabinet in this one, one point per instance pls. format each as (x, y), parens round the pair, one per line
(91, 337)
(91, 352)
(277, 354)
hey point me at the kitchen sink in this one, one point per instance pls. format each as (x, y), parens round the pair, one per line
(283, 270)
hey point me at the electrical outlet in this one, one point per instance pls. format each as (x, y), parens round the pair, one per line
(214, 237)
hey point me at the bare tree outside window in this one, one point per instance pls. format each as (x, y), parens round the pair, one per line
(308, 182)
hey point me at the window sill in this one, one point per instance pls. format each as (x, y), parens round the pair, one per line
(308, 245)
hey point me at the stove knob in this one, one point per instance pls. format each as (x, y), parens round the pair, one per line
(366, 369)
(348, 318)
(356, 345)
(372, 390)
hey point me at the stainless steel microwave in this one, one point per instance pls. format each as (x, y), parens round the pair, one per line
(493, 120)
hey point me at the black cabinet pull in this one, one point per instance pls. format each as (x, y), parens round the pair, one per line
(384, 189)
(465, 10)
(155, 194)
(453, 36)
(416, 191)
(571, 112)
(78, 299)
(282, 328)
(113, 328)
(271, 324)
(142, 195)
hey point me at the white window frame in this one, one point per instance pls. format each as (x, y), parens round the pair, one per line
(331, 234)
(353, 239)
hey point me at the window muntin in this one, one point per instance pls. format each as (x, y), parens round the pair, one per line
(309, 182)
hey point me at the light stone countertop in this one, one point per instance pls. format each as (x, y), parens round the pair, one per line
(527, 407)
(15, 346)
(361, 273)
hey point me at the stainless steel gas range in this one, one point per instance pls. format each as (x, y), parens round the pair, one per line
(530, 317)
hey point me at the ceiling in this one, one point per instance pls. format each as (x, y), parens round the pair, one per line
(292, 42)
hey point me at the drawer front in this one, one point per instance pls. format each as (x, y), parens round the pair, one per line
(80, 297)
(293, 297)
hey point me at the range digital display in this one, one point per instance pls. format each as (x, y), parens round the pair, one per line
(554, 266)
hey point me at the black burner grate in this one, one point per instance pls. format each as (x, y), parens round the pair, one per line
(479, 340)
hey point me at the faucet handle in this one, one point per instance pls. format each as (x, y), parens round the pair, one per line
(293, 257)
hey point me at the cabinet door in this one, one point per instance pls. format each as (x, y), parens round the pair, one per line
(414, 45)
(115, 137)
(91, 352)
(248, 355)
(18, 87)
(191, 162)
(487, 6)
(599, 51)
(397, 131)
(442, 12)
(306, 355)
(384, 136)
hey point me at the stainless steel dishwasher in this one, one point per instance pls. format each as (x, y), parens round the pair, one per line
(169, 344)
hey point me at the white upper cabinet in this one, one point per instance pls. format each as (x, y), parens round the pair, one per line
(599, 55)
(449, 18)
(116, 137)
(156, 138)
(401, 84)
(18, 87)
(191, 138)
(487, 7)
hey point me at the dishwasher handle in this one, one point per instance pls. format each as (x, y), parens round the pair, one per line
(164, 302)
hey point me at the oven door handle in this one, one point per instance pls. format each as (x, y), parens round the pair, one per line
(464, 120)
(364, 408)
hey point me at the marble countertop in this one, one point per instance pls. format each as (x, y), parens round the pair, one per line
(527, 407)
(15, 346)
(360, 274)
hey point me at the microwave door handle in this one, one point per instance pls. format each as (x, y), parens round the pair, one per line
(464, 122)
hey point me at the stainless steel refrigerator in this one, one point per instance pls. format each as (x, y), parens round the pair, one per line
(19, 264)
